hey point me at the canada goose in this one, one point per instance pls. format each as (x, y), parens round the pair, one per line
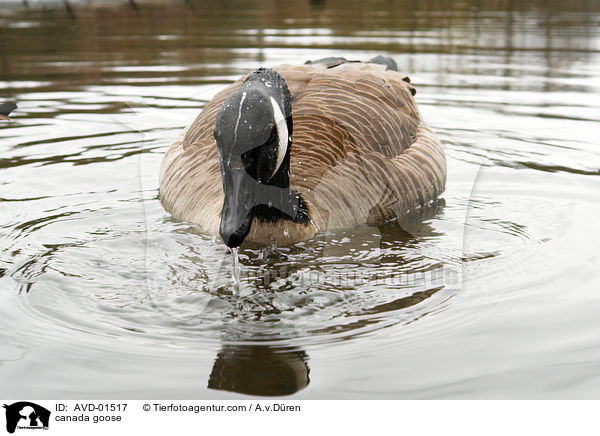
(360, 154)
(6, 109)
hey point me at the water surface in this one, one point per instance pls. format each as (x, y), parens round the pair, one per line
(491, 292)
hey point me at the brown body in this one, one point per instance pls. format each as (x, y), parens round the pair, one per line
(360, 154)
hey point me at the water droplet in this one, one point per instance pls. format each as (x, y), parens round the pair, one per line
(236, 270)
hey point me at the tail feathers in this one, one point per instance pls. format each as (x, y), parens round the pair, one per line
(388, 62)
(333, 61)
(330, 61)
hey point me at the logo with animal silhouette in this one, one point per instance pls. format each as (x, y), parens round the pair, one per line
(26, 415)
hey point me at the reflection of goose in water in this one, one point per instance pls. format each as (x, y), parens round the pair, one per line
(6, 109)
(272, 370)
(260, 370)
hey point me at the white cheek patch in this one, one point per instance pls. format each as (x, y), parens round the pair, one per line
(282, 134)
(237, 123)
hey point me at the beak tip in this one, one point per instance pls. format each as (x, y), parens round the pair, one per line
(233, 236)
(232, 240)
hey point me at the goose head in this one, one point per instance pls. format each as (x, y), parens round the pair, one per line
(253, 133)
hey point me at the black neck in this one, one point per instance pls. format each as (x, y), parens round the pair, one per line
(286, 205)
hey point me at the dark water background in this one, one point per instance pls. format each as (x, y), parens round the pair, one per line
(493, 292)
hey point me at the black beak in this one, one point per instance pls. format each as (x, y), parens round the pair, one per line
(238, 207)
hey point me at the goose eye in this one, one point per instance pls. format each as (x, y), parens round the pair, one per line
(269, 131)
